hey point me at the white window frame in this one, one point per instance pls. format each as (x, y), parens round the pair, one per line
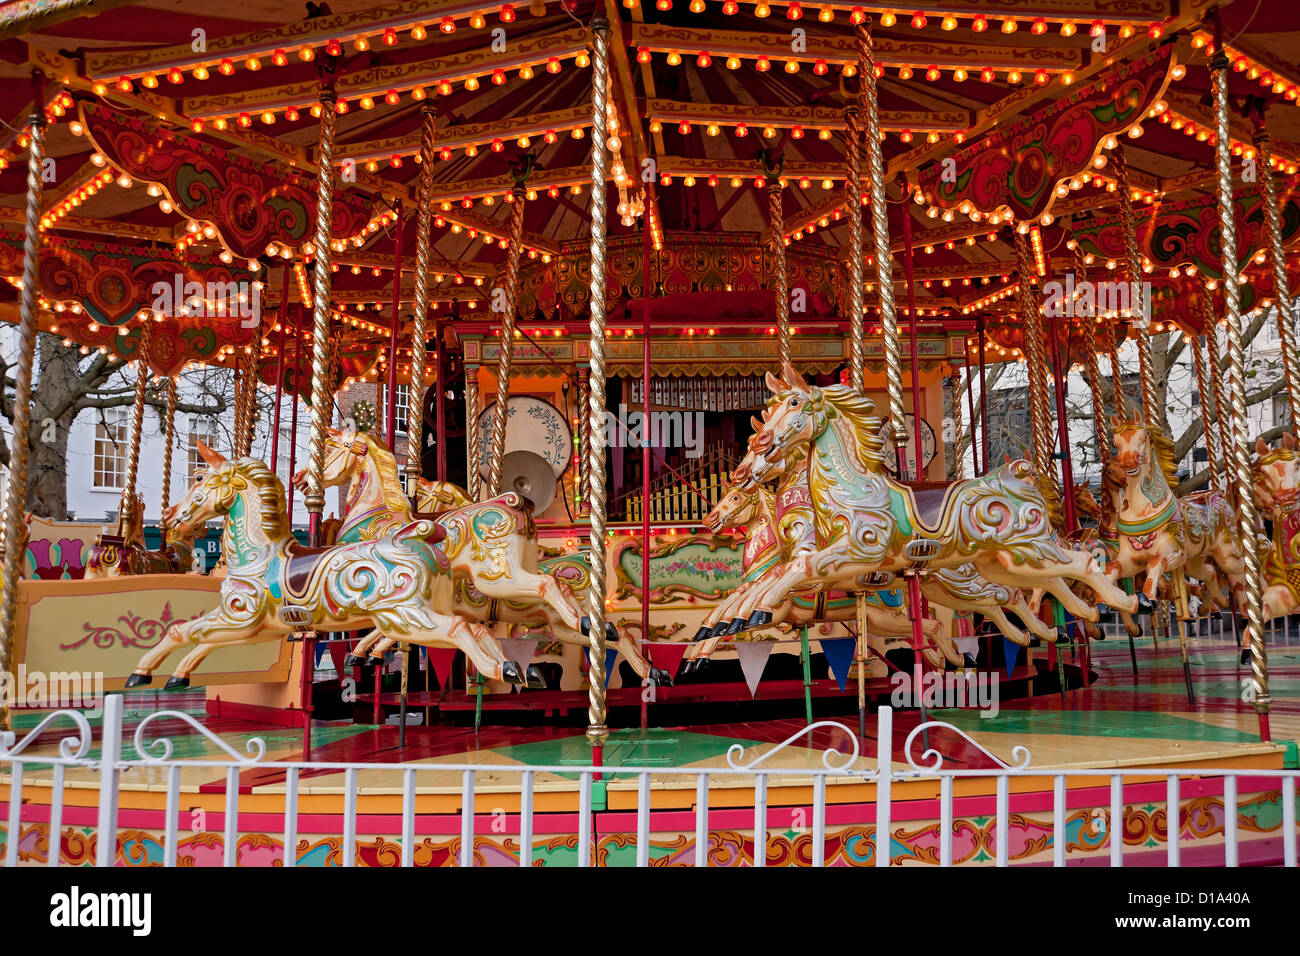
(201, 427)
(103, 442)
(402, 407)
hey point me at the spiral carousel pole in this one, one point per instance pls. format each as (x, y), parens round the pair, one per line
(857, 330)
(420, 307)
(1247, 513)
(1285, 317)
(127, 514)
(16, 498)
(474, 479)
(169, 442)
(1093, 371)
(496, 459)
(1213, 456)
(597, 732)
(776, 229)
(314, 499)
(888, 316)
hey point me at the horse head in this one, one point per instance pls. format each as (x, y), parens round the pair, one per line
(1132, 446)
(790, 421)
(1086, 502)
(1276, 474)
(345, 454)
(736, 507)
(205, 498)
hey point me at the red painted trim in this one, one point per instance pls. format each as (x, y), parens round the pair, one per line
(254, 713)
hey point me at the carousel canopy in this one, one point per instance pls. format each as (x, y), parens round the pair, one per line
(181, 177)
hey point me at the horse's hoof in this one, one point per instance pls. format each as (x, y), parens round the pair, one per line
(536, 680)
(704, 633)
(719, 629)
(1245, 657)
(511, 674)
(139, 680)
(1145, 604)
(611, 633)
(584, 625)
(1063, 636)
(176, 683)
(687, 667)
(759, 618)
(737, 625)
(968, 659)
(355, 660)
(1035, 640)
(375, 660)
(660, 677)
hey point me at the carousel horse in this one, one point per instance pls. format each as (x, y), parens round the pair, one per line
(400, 583)
(958, 589)
(492, 547)
(754, 511)
(113, 555)
(1159, 533)
(1102, 540)
(867, 523)
(1276, 474)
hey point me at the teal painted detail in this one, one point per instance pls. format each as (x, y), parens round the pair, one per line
(898, 508)
(599, 795)
(1072, 723)
(1291, 761)
(624, 748)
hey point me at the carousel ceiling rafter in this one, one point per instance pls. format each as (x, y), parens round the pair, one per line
(809, 122)
(486, 135)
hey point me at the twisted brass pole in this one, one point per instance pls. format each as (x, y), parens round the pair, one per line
(780, 282)
(314, 499)
(16, 496)
(584, 466)
(597, 732)
(1207, 399)
(471, 431)
(1099, 422)
(880, 227)
(853, 184)
(1247, 513)
(1227, 435)
(248, 404)
(1116, 374)
(1036, 359)
(1137, 304)
(955, 385)
(496, 460)
(169, 441)
(1285, 320)
(420, 314)
(137, 426)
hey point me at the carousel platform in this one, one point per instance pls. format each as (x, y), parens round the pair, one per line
(1116, 723)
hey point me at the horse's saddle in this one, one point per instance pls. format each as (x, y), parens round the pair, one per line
(930, 504)
(300, 564)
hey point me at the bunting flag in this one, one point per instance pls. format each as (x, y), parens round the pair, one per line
(520, 650)
(441, 658)
(1011, 654)
(611, 653)
(321, 647)
(839, 655)
(338, 651)
(666, 655)
(753, 659)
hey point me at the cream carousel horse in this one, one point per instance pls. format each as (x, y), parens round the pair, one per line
(1277, 492)
(112, 556)
(400, 583)
(492, 547)
(866, 522)
(1159, 534)
(754, 511)
(958, 589)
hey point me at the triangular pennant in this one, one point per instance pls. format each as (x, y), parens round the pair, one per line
(753, 659)
(338, 652)
(321, 647)
(839, 655)
(1010, 654)
(520, 650)
(665, 655)
(611, 653)
(441, 659)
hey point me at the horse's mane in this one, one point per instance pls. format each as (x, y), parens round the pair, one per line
(395, 499)
(859, 413)
(270, 493)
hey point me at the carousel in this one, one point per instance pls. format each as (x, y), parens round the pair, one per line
(653, 351)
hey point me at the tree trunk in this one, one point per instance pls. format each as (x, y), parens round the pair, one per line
(59, 387)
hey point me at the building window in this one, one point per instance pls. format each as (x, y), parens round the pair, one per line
(401, 406)
(201, 430)
(110, 449)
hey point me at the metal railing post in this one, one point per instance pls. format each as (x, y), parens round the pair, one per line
(884, 777)
(109, 778)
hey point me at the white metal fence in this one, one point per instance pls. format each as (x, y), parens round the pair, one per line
(156, 754)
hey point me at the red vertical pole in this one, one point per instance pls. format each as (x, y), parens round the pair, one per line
(970, 404)
(440, 404)
(279, 372)
(293, 420)
(647, 252)
(984, 397)
(395, 330)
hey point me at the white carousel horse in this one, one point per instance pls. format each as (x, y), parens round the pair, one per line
(400, 583)
(867, 523)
